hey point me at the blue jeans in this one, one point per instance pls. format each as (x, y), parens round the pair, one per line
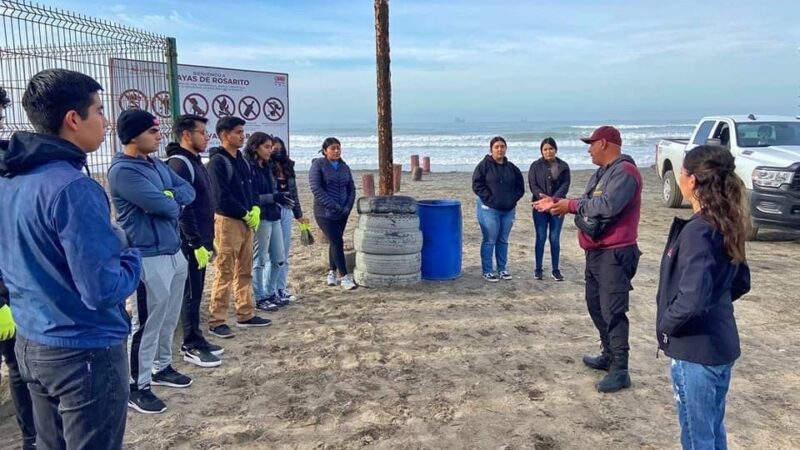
(700, 393)
(541, 223)
(80, 396)
(286, 226)
(495, 228)
(268, 257)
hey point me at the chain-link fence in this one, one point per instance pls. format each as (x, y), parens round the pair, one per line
(36, 37)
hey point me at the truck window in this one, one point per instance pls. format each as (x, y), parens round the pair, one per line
(723, 133)
(702, 132)
(764, 134)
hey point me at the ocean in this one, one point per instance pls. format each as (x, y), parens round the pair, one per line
(458, 147)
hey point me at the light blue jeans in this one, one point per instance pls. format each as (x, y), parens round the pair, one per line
(700, 393)
(495, 228)
(268, 258)
(287, 216)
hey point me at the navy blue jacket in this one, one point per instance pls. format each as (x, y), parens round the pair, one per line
(499, 186)
(540, 179)
(334, 189)
(149, 217)
(264, 187)
(697, 286)
(65, 268)
(231, 183)
(197, 218)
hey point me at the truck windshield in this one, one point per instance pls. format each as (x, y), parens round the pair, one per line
(765, 134)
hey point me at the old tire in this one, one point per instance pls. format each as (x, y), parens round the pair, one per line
(670, 192)
(389, 264)
(387, 242)
(387, 204)
(398, 222)
(367, 279)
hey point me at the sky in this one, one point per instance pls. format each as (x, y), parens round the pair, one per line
(489, 61)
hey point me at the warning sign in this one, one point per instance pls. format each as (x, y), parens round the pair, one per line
(273, 109)
(160, 104)
(196, 104)
(132, 99)
(222, 105)
(249, 108)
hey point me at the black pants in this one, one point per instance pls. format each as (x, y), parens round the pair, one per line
(334, 231)
(19, 395)
(192, 297)
(80, 396)
(608, 284)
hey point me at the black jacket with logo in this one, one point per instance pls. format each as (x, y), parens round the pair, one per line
(697, 286)
(231, 183)
(499, 186)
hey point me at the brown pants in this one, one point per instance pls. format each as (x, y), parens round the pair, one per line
(234, 271)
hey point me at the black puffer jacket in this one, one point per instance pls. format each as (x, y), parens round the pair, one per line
(499, 186)
(265, 188)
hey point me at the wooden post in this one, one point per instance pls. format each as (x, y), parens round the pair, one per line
(385, 161)
(398, 172)
(414, 161)
(426, 165)
(368, 185)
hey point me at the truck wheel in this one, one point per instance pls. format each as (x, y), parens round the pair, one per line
(752, 233)
(396, 204)
(387, 242)
(367, 279)
(389, 264)
(670, 192)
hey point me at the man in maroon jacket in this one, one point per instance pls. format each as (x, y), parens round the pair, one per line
(608, 218)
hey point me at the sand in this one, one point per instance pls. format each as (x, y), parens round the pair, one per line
(471, 365)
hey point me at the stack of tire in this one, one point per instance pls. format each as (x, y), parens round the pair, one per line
(388, 242)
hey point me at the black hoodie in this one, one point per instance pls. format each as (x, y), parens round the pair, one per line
(499, 186)
(231, 184)
(197, 218)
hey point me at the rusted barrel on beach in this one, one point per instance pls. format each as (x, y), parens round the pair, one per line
(398, 171)
(416, 174)
(426, 164)
(414, 162)
(368, 185)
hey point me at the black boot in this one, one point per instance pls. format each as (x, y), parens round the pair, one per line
(599, 362)
(618, 377)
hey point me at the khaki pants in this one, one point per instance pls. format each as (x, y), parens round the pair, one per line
(233, 266)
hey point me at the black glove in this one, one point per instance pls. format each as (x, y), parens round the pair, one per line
(283, 199)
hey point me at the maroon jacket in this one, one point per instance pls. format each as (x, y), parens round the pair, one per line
(617, 193)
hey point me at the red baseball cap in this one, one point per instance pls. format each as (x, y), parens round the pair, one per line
(606, 132)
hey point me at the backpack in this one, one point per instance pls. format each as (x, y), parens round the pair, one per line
(188, 164)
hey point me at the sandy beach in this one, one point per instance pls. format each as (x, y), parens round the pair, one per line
(471, 365)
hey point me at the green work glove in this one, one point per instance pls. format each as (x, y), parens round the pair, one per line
(248, 219)
(169, 193)
(256, 211)
(202, 256)
(7, 327)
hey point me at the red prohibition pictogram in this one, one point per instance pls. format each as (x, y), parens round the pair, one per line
(196, 104)
(274, 109)
(133, 99)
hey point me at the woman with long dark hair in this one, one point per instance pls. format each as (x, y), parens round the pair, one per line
(703, 271)
(548, 176)
(499, 185)
(334, 195)
(283, 170)
(268, 255)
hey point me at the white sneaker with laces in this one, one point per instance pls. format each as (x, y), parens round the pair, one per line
(331, 278)
(348, 283)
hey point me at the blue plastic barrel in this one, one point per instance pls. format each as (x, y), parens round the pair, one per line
(440, 222)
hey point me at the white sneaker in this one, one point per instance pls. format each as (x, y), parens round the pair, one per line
(331, 278)
(348, 283)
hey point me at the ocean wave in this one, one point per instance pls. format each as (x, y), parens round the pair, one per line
(636, 127)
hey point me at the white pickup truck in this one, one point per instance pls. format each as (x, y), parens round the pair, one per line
(767, 152)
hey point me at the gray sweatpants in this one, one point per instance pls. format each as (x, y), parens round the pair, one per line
(155, 309)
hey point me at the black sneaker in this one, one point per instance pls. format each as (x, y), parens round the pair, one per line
(490, 277)
(286, 295)
(537, 274)
(171, 378)
(504, 275)
(280, 301)
(266, 305)
(200, 357)
(223, 331)
(557, 275)
(214, 349)
(254, 322)
(144, 401)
